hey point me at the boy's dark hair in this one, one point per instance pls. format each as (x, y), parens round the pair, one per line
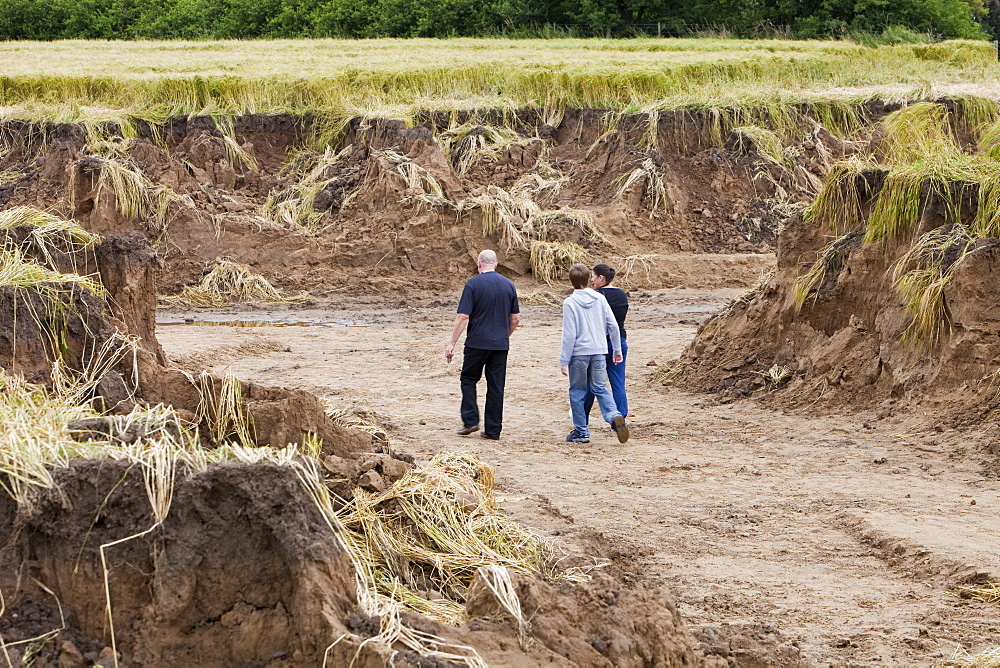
(579, 274)
(606, 271)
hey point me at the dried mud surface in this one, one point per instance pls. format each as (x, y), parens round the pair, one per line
(787, 538)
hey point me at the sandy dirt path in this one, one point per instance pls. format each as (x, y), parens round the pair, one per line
(839, 537)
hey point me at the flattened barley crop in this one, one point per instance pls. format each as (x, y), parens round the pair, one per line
(78, 80)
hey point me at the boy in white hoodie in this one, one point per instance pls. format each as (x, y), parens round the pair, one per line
(588, 325)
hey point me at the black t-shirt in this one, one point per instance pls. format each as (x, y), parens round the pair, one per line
(618, 301)
(488, 299)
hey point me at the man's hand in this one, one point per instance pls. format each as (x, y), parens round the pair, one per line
(617, 359)
(460, 321)
(565, 370)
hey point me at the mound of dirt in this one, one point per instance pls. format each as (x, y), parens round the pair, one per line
(831, 326)
(245, 571)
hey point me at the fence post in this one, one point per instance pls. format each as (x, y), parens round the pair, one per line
(788, 30)
(996, 46)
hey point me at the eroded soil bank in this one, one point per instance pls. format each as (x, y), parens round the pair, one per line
(788, 538)
(674, 199)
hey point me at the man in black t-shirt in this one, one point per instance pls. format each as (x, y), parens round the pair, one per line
(489, 307)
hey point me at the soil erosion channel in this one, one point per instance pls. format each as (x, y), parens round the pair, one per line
(788, 537)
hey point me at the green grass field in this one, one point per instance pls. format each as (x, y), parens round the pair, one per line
(94, 80)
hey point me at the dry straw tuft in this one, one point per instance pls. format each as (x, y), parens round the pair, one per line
(922, 275)
(829, 261)
(650, 175)
(227, 283)
(294, 208)
(765, 142)
(551, 259)
(423, 540)
(989, 593)
(962, 659)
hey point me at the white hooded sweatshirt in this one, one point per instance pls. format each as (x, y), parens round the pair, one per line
(587, 324)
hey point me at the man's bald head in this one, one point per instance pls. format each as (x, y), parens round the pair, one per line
(487, 261)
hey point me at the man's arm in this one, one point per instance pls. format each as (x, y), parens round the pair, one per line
(460, 321)
(515, 320)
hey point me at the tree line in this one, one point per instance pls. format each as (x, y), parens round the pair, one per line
(245, 19)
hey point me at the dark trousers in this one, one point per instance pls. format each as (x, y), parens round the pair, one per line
(495, 364)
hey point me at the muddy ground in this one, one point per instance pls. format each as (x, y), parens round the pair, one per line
(786, 536)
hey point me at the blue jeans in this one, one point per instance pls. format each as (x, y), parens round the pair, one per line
(588, 375)
(616, 376)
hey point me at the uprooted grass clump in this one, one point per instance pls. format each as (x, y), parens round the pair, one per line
(30, 265)
(918, 163)
(761, 140)
(830, 260)
(294, 207)
(424, 539)
(467, 145)
(650, 176)
(521, 224)
(550, 259)
(922, 274)
(225, 284)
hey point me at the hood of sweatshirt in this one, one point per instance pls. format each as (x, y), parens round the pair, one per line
(586, 297)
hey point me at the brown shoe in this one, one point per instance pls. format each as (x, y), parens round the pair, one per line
(621, 429)
(465, 431)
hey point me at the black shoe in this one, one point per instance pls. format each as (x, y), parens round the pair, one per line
(621, 429)
(490, 436)
(465, 431)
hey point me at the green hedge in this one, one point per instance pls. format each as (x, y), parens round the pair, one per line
(220, 19)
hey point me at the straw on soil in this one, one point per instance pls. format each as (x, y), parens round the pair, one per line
(221, 409)
(18, 271)
(294, 207)
(468, 145)
(238, 154)
(631, 265)
(45, 226)
(961, 658)
(830, 260)
(504, 214)
(551, 259)
(765, 142)
(423, 539)
(414, 176)
(922, 274)
(539, 298)
(135, 195)
(989, 593)
(227, 283)
(654, 192)
(839, 206)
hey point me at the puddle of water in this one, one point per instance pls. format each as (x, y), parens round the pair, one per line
(267, 323)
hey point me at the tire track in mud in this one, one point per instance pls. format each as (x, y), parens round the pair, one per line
(790, 532)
